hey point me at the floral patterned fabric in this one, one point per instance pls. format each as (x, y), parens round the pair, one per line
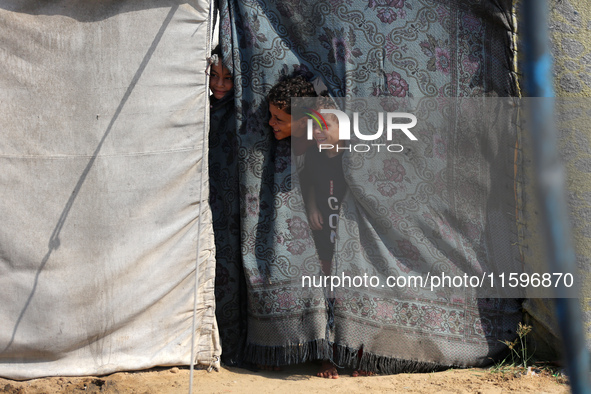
(372, 48)
(438, 207)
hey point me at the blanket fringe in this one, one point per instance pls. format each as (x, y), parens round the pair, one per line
(285, 355)
(346, 357)
(389, 365)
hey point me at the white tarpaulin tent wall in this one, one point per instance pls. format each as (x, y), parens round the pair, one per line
(103, 198)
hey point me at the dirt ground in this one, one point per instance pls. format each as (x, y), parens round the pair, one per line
(295, 379)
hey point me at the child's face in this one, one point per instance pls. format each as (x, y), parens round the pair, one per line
(280, 122)
(330, 135)
(220, 80)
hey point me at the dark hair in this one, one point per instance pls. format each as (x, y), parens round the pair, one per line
(217, 51)
(288, 87)
(325, 102)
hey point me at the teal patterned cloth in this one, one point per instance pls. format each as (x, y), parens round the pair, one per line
(374, 48)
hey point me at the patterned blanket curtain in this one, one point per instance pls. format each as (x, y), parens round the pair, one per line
(421, 50)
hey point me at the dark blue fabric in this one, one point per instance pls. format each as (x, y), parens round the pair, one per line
(230, 284)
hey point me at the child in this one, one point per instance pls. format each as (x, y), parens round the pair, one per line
(230, 284)
(220, 78)
(284, 126)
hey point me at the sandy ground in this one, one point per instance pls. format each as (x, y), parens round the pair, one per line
(293, 379)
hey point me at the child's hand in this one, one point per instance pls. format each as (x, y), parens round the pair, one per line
(315, 219)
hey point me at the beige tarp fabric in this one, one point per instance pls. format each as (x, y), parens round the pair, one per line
(103, 198)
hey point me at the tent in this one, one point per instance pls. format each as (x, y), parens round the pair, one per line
(105, 220)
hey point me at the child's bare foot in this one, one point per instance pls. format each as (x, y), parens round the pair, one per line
(328, 371)
(268, 367)
(362, 373)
